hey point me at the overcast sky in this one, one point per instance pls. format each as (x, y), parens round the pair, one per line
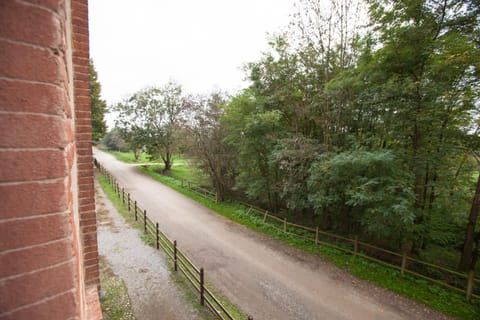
(200, 44)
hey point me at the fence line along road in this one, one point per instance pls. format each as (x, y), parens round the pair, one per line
(465, 283)
(194, 275)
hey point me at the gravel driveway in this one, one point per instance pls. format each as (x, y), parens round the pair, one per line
(264, 277)
(152, 292)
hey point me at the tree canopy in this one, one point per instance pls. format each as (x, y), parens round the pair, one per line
(362, 128)
(98, 106)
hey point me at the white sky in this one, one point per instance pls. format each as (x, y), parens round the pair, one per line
(202, 44)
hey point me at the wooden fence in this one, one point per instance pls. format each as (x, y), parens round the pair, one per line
(465, 283)
(199, 190)
(194, 275)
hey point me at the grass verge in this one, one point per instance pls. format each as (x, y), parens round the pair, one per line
(115, 301)
(433, 296)
(181, 169)
(128, 157)
(190, 296)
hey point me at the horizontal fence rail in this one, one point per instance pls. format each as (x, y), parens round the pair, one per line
(194, 275)
(465, 283)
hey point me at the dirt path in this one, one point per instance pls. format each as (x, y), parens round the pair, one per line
(143, 269)
(265, 277)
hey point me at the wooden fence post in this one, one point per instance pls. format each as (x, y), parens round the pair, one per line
(175, 255)
(201, 287)
(265, 216)
(250, 318)
(285, 225)
(135, 207)
(145, 220)
(470, 280)
(157, 235)
(316, 235)
(249, 209)
(128, 202)
(355, 245)
(123, 195)
(404, 262)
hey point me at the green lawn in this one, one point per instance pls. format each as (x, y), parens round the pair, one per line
(128, 157)
(181, 169)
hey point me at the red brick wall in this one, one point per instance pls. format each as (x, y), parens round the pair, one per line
(48, 245)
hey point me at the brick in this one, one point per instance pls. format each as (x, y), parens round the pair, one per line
(34, 25)
(89, 229)
(94, 310)
(31, 97)
(32, 165)
(83, 122)
(90, 262)
(36, 64)
(91, 255)
(84, 136)
(79, 5)
(87, 211)
(16, 234)
(85, 179)
(91, 248)
(32, 287)
(87, 222)
(86, 193)
(92, 272)
(85, 166)
(26, 260)
(85, 151)
(55, 5)
(33, 198)
(92, 280)
(31, 131)
(59, 307)
(80, 59)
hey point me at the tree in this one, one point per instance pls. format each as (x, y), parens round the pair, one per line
(424, 74)
(98, 106)
(294, 157)
(467, 260)
(152, 117)
(207, 146)
(363, 191)
(253, 133)
(113, 141)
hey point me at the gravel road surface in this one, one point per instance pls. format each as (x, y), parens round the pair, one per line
(153, 294)
(264, 277)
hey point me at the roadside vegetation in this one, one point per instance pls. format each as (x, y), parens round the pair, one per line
(423, 291)
(115, 301)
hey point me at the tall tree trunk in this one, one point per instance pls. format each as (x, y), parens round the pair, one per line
(466, 259)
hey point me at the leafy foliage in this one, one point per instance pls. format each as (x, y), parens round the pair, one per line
(98, 106)
(150, 118)
(364, 190)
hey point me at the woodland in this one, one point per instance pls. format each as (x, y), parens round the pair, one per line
(363, 118)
